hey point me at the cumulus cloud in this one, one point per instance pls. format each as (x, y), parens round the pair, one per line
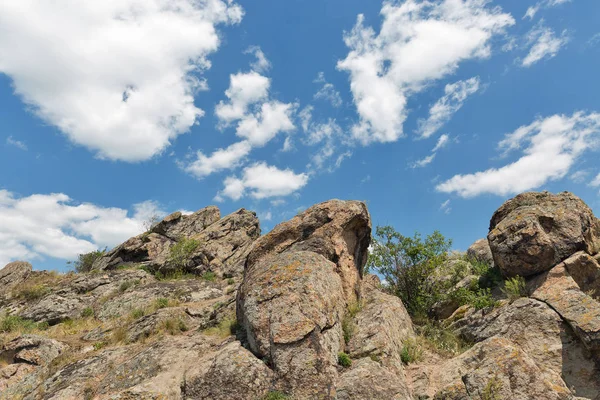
(118, 77)
(261, 64)
(244, 90)
(229, 157)
(544, 44)
(52, 225)
(441, 143)
(257, 121)
(533, 10)
(419, 42)
(262, 181)
(327, 92)
(16, 143)
(453, 99)
(550, 148)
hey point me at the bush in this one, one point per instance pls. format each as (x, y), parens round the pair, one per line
(85, 261)
(161, 302)
(515, 288)
(181, 252)
(408, 264)
(87, 312)
(344, 360)
(126, 285)
(411, 352)
(230, 281)
(209, 276)
(14, 323)
(138, 313)
(478, 298)
(174, 326)
(33, 292)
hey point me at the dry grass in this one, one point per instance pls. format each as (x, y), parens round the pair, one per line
(227, 327)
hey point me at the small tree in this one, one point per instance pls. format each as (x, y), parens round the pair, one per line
(85, 261)
(181, 252)
(407, 265)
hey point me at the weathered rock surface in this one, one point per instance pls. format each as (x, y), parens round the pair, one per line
(533, 232)
(32, 349)
(338, 230)
(232, 373)
(480, 251)
(13, 274)
(222, 244)
(585, 270)
(291, 306)
(495, 366)
(558, 289)
(381, 325)
(368, 379)
(541, 333)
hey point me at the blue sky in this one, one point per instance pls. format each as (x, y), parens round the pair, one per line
(433, 113)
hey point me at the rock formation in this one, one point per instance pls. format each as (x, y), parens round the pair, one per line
(291, 315)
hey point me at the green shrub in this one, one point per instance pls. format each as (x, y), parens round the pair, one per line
(87, 312)
(408, 266)
(161, 302)
(33, 292)
(276, 395)
(515, 288)
(181, 252)
(85, 261)
(348, 326)
(478, 298)
(411, 352)
(209, 276)
(230, 281)
(99, 345)
(344, 360)
(174, 326)
(14, 323)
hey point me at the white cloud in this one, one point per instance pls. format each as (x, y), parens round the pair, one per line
(441, 143)
(445, 207)
(52, 225)
(453, 99)
(261, 127)
(261, 64)
(221, 159)
(544, 44)
(244, 90)
(579, 176)
(551, 147)
(118, 77)
(327, 92)
(419, 42)
(596, 181)
(532, 10)
(262, 181)
(16, 143)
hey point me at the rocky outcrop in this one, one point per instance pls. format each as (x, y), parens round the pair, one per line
(480, 251)
(220, 246)
(32, 349)
(369, 379)
(533, 232)
(338, 230)
(13, 274)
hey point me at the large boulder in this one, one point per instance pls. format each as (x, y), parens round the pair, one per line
(338, 230)
(368, 379)
(480, 251)
(13, 274)
(379, 327)
(299, 280)
(533, 232)
(290, 306)
(32, 349)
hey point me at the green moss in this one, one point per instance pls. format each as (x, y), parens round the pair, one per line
(344, 360)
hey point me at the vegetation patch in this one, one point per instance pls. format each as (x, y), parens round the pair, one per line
(515, 288)
(441, 340)
(276, 395)
(181, 253)
(411, 351)
(227, 327)
(344, 360)
(492, 389)
(85, 261)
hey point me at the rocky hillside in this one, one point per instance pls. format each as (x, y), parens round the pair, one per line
(203, 307)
